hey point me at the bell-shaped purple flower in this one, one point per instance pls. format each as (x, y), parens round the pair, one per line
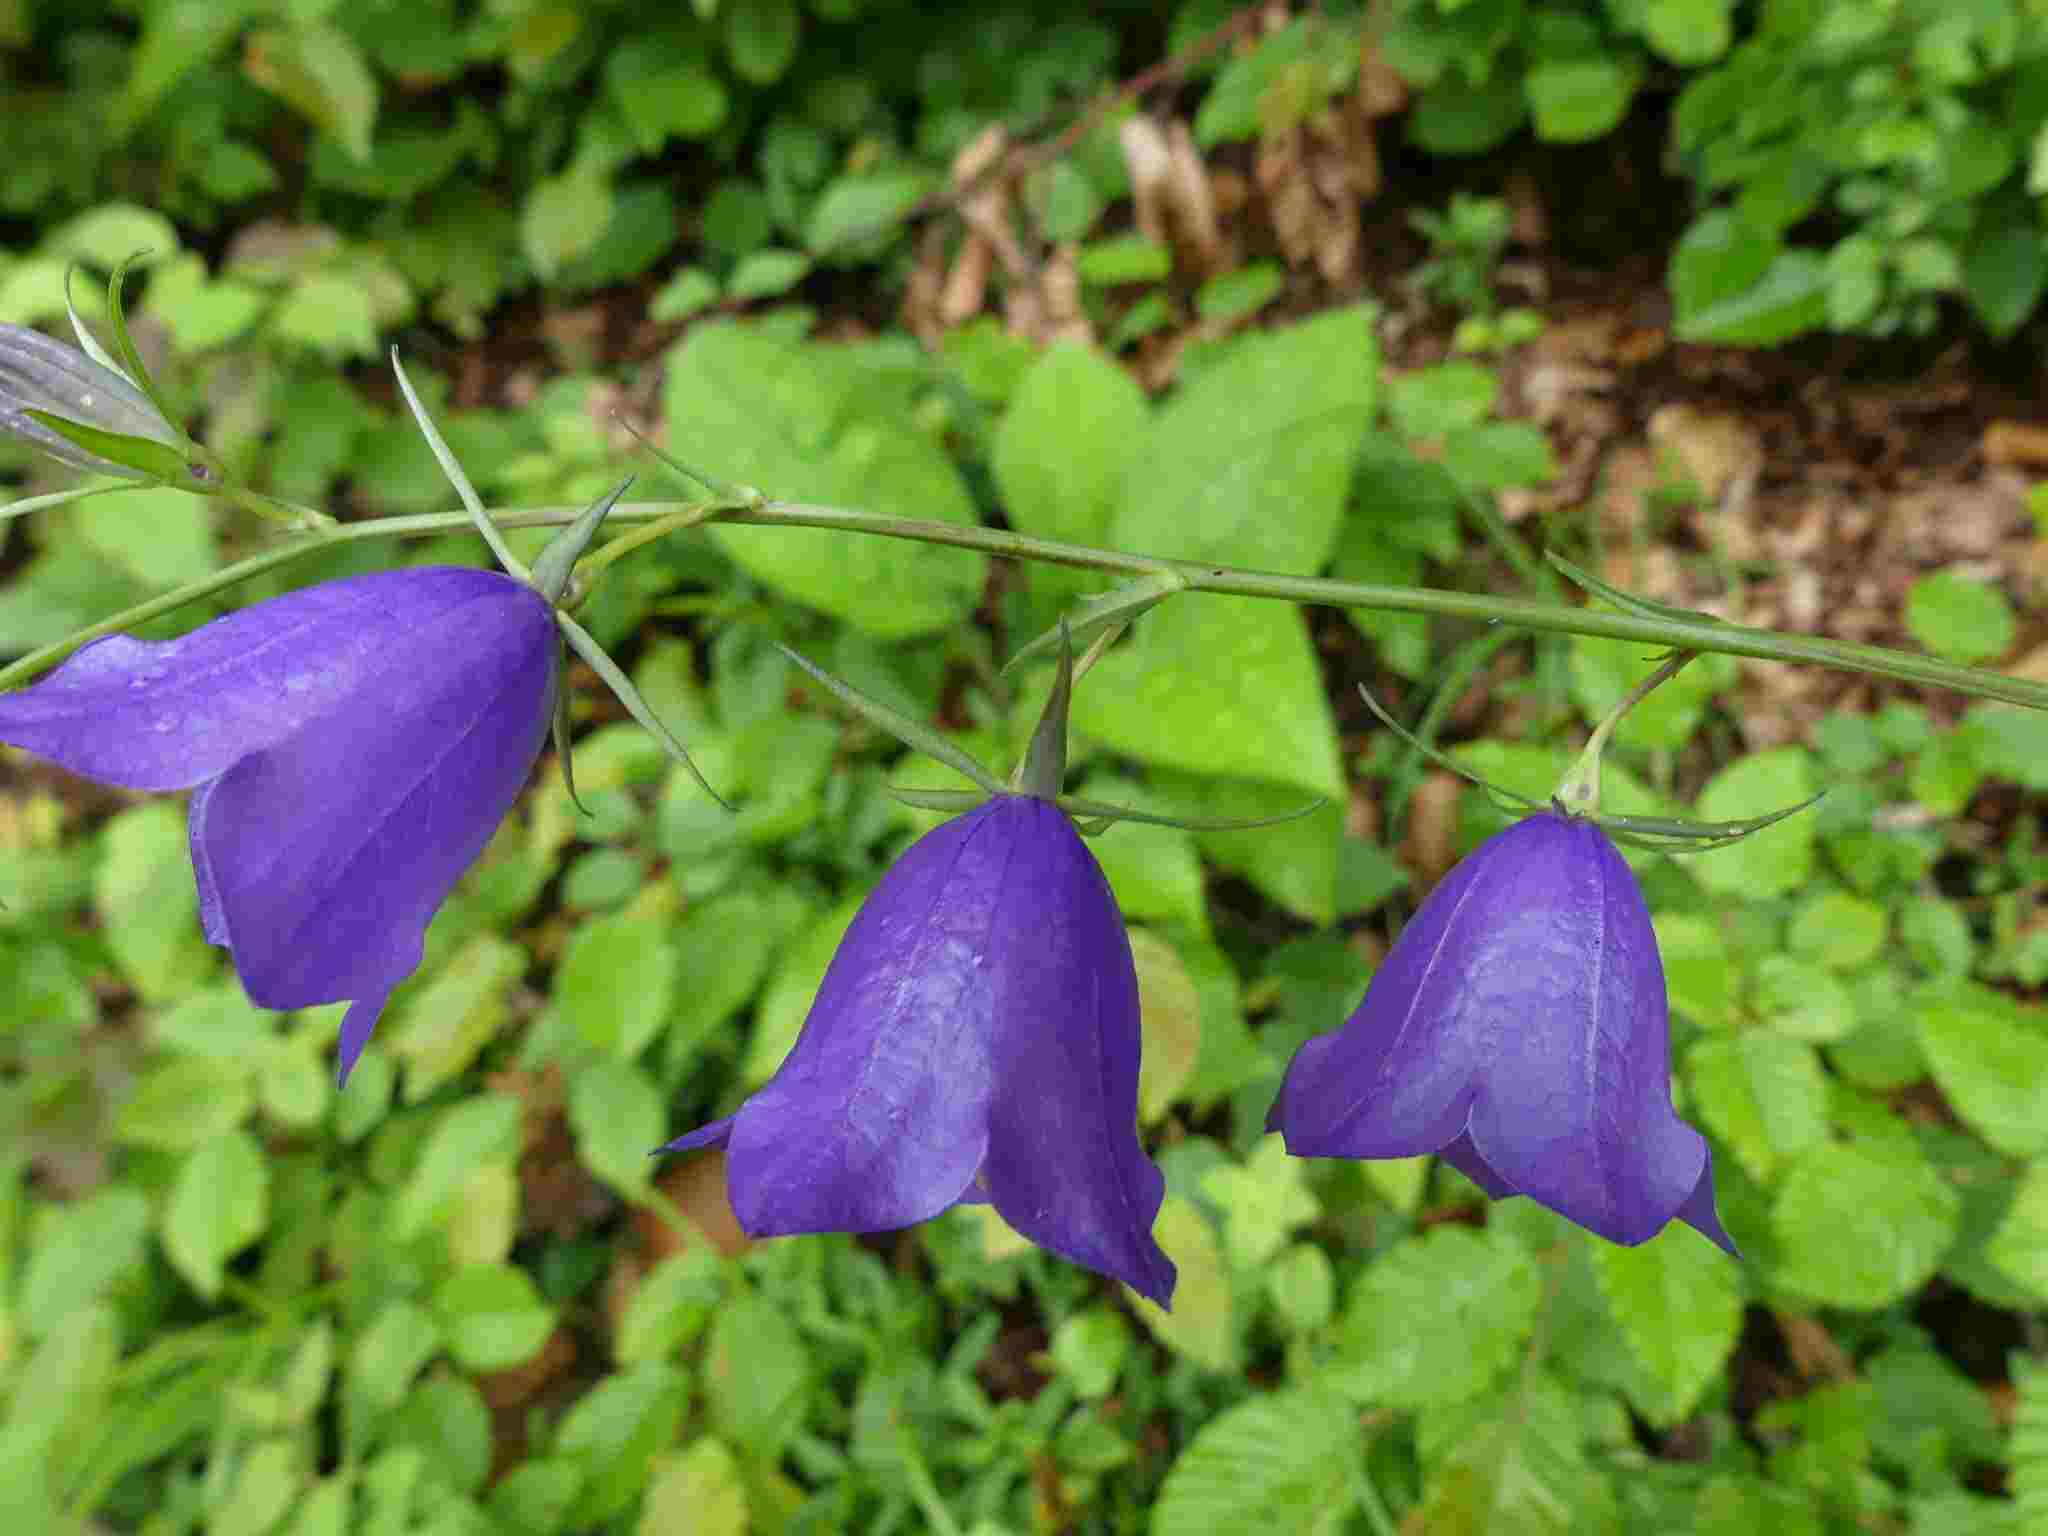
(350, 747)
(1519, 1029)
(975, 1038)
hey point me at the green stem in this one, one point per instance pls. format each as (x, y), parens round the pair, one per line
(1702, 634)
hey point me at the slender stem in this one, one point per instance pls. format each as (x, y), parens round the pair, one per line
(1701, 634)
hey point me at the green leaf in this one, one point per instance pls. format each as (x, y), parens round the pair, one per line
(1688, 32)
(1859, 1229)
(148, 904)
(1089, 1349)
(856, 214)
(1199, 1326)
(1698, 974)
(615, 1431)
(1500, 455)
(1992, 1068)
(761, 37)
(79, 1253)
(1250, 464)
(698, 1490)
(186, 1101)
(1170, 1015)
(220, 1203)
(565, 216)
(1454, 117)
(1297, 863)
(479, 1130)
(671, 1307)
(1678, 1301)
(1801, 1000)
(616, 1113)
(1153, 870)
(768, 274)
(322, 75)
(2003, 276)
(1959, 619)
(1780, 858)
(617, 982)
(492, 1317)
(664, 88)
(1435, 402)
(806, 423)
(264, 1487)
(442, 1026)
(1074, 428)
(1603, 672)
(1217, 686)
(1276, 1465)
(1580, 98)
(1761, 1093)
(388, 1354)
(2019, 1247)
(1436, 1319)
(1262, 1202)
(1121, 259)
(756, 1375)
(1789, 300)
(1513, 1467)
(1840, 931)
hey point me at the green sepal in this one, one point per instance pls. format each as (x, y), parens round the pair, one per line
(1119, 605)
(145, 455)
(1662, 835)
(1099, 814)
(739, 496)
(559, 727)
(1043, 773)
(557, 562)
(472, 503)
(1627, 602)
(585, 645)
(1522, 804)
(914, 734)
(124, 345)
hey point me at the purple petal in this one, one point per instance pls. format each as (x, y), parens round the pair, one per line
(322, 858)
(1065, 1166)
(879, 1116)
(1520, 1027)
(169, 714)
(716, 1134)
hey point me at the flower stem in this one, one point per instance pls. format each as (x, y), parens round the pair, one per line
(1702, 634)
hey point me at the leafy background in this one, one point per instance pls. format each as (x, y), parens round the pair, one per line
(459, 1298)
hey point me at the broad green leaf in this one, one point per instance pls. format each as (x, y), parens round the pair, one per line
(1074, 428)
(264, 1487)
(1960, 619)
(1263, 1202)
(1435, 1319)
(1687, 32)
(1838, 930)
(79, 1252)
(1790, 299)
(484, 1129)
(697, 1490)
(1153, 870)
(1513, 1467)
(616, 1113)
(671, 1306)
(1250, 464)
(446, 1419)
(220, 1203)
(617, 1429)
(617, 981)
(2019, 1248)
(1801, 1000)
(1698, 974)
(786, 1001)
(322, 75)
(1089, 1349)
(1678, 1301)
(756, 1374)
(858, 213)
(186, 1101)
(1217, 686)
(443, 1025)
(564, 218)
(492, 1317)
(1581, 97)
(161, 536)
(1276, 1465)
(803, 423)
(1776, 860)
(1763, 1094)
(761, 37)
(1603, 672)
(1199, 1326)
(148, 903)
(1170, 1013)
(1992, 1068)
(1859, 1229)
(400, 1340)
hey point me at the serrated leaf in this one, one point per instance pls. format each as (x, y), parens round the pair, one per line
(492, 1316)
(1762, 1094)
(322, 74)
(804, 424)
(1780, 858)
(617, 980)
(444, 1024)
(1993, 1069)
(1199, 1325)
(1678, 1301)
(1263, 1201)
(698, 1490)
(1277, 1465)
(1859, 1229)
(1250, 464)
(1435, 1319)
(615, 1111)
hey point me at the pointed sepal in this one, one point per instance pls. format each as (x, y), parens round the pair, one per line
(1119, 605)
(557, 563)
(914, 734)
(445, 456)
(1043, 773)
(585, 645)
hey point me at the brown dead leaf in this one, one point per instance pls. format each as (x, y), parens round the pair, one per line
(697, 1186)
(2016, 443)
(1815, 1354)
(1717, 450)
(1429, 850)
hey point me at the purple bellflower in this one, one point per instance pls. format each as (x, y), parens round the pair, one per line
(350, 748)
(1519, 1029)
(975, 1039)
